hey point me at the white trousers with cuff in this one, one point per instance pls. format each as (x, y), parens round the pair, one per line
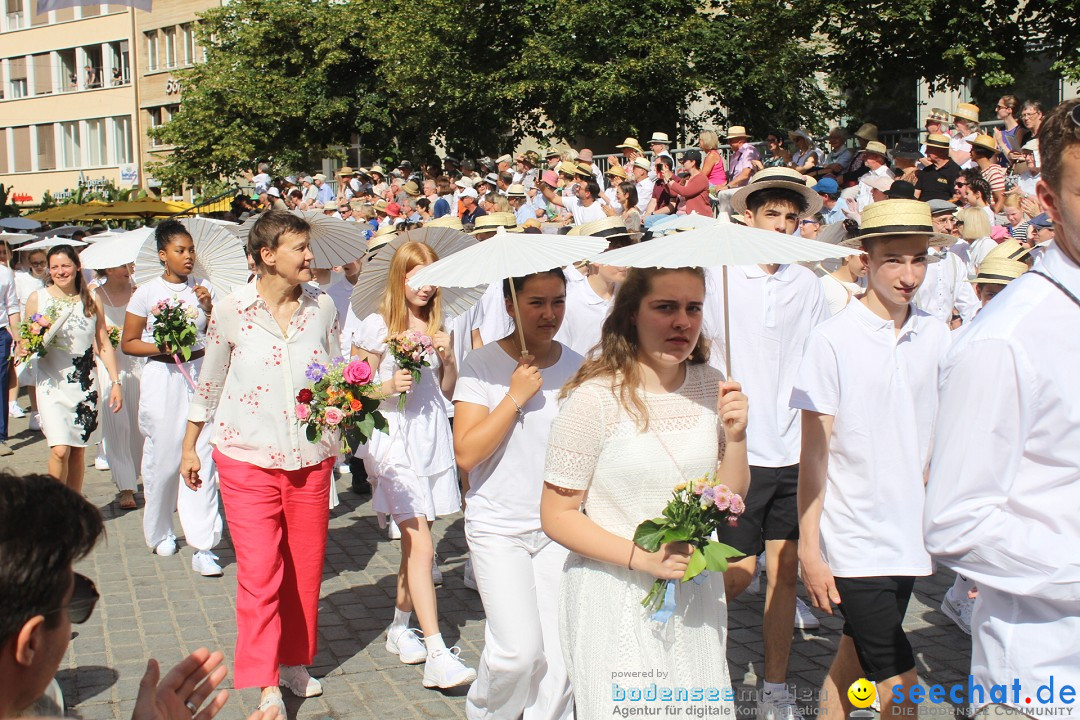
(165, 395)
(521, 671)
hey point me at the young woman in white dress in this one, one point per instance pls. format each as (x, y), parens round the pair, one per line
(123, 441)
(67, 387)
(412, 467)
(645, 414)
(505, 404)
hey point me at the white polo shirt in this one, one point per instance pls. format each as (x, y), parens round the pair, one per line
(9, 298)
(584, 317)
(881, 388)
(946, 287)
(1001, 503)
(771, 318)
(584, 214)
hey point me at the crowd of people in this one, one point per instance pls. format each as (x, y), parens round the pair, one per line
(878, 413)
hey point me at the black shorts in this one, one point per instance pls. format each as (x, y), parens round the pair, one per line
(874, 609)
(772, 510)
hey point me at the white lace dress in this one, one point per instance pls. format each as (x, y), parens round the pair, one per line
(628, 476)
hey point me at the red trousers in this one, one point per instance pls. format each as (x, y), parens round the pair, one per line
(278, 520)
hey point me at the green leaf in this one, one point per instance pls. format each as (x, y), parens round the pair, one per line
(697, 564)
(717, 554)
(650, 535)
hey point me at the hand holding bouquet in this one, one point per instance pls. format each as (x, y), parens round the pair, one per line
(114, 336)
(174, 327)
(342, 397)
(410, 351)
(32, 335)
(696, 509)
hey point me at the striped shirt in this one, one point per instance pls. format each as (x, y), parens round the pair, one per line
(995, 175)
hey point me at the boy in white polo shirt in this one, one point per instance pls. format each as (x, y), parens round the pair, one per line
(867, 389)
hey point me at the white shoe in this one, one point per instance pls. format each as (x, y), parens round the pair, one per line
(445, 670)
(755, 582)
(470, 576)
(299, 681)
(393, 531)
(204, 562)
(436, 573)
(35, 421)
(957, 607)
(166, 547)
(406, 644)
(15, 410)
(274, 701)
(100, 463)
(778, 706)
(804, 616)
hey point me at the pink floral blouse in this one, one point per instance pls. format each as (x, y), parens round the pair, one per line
(251, 374)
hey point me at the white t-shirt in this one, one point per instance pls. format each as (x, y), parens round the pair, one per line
(494, 322)
(838, 293)
(584, 318)
(882, 390)
(504, 489)
(150, 292)
(584, 214)
(25, 285)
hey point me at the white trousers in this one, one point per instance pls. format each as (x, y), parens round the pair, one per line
(163, 408)
(521, 671)
(121, 441)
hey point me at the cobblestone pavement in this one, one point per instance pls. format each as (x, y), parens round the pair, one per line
(157, 607)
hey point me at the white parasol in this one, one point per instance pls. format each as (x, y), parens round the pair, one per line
(334, 241)
(219, 257)
(16, 238)
(120, 248)
(692, 221)
(446, 242)
(64, 231)
(506, 255)
(47, 243)
(724, 244)
(19, 223)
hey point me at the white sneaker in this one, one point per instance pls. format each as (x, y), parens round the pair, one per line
(299, 681)
(100, 463)
(436, 573)
(470, 576)
(274, 701)
(406, 644)
(35, 421)
(804, 617)
(957, 607)
(445, 670)
(393, 531)
(15, 410)
(204, 562)
(755, 582)
(778, 706)
(166, 547)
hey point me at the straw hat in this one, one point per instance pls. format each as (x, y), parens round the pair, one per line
(382, 236)
(999, 271)
(937, 140)
(566, 168)
(642, 163)
(1009, 249)
(411, 189)
(868, 131)
(617, 171)
(345, 170)
(877, 148)
(736, 131)
(493, 221)
(552, 152)
(938, 115)
(631, 143)
(504, 159)
(608, 227)
(967, 111)
(378, 169)
(319, 176)
(985, 142)
(464, 182)
(583, 170)
(380, 205)
(515, 190)
(778, 177)
(891, 218)
(800, 133)
(448, 221)
(659, 138)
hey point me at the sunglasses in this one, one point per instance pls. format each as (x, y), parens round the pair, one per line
(809, 221)
(84, 597)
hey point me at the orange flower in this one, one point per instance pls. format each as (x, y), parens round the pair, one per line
(356, 404)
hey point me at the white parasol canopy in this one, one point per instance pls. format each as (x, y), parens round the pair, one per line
(16, 238)
(219, 257)
(334, 241)
(692, 221)
(19, 223)
(120, 248)
(47, 243)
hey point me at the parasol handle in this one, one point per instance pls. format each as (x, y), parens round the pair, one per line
(517, 314)
(727, 328)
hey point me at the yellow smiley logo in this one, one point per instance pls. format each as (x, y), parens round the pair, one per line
(862, 693)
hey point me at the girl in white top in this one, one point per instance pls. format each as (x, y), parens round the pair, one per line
(644, 415)
(842, 284)
(412, 467)
(505, 402)
(165, 394)
(123, 442)
(588, 303)
(26, 282)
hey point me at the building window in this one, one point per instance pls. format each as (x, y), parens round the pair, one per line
(156, 120)
(170, 47)
(152, 50)
(18, 88)
(43, 74)
(122, 139)
(95, 143)
(21, 144)
(188, 32)
(3, 151)
(71, 140)
(14, 11)
(46, 147)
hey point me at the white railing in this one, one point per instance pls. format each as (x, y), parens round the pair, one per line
(15, 21)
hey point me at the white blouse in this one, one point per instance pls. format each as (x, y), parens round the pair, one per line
(252, 372)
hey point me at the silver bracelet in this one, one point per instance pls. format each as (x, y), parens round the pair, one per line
(520, 412)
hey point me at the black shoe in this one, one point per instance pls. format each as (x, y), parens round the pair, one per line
(360, 484)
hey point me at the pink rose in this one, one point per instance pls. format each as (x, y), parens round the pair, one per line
(156, 311)
(44, 321)
(303, 412)
(333, 416)
(357, 372)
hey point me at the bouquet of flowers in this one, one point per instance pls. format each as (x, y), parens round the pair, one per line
(341, 397)
(695, 510)
(174, 326)
(410, 351)
(114, 336)
(33, 332)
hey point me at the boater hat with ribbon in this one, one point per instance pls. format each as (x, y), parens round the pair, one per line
(999, 271)
(778, 177)
(892, 218)
(608, 227)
